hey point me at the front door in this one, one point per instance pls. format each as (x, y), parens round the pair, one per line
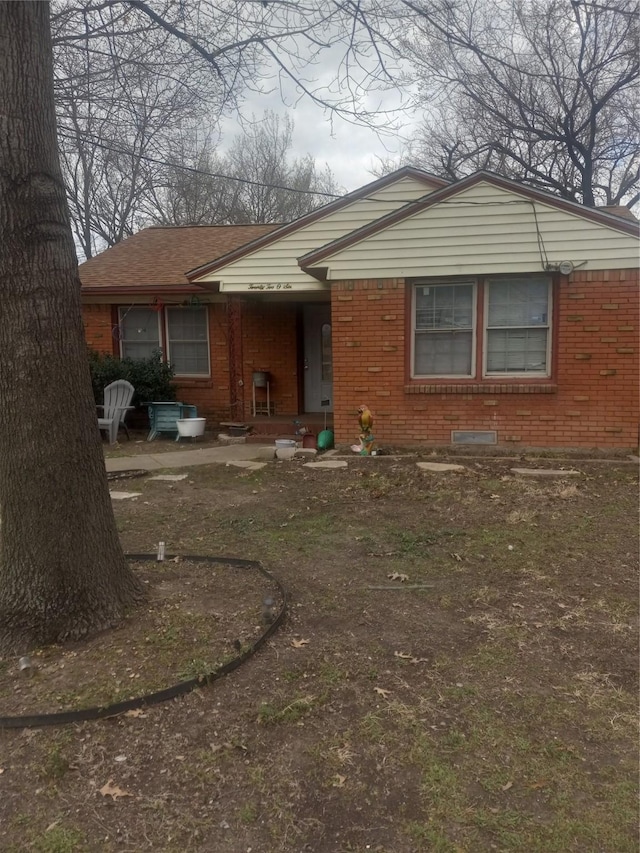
(318, 360)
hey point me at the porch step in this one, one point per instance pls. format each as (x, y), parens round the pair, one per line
(262, 437)
(286, 428)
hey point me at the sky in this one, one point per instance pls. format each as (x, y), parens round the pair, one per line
(352, 150)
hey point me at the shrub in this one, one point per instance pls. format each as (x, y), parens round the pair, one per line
(152, 378)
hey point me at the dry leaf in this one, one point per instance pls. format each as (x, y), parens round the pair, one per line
(403, 655)
(457, 557)
(135, 712)
(111, 790)
(507, 786)
(1, 770)
(396, 576)
(382, 692)
(298, 644)
(338, 781)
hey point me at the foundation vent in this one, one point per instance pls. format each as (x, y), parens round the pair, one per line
(459, 436)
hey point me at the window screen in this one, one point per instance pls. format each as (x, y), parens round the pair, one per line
(139, 332)
(188, 340)
(518, 325)
(444, 317)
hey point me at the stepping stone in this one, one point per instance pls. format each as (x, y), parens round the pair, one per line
(439, 466)
(170, 478)
(122, 496)
(268, 452)
(231, 439)
(330, 463)
(245, 463)
(306, 451)
(544, 473)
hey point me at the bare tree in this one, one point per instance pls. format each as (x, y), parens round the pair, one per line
(255, 181)
(135, 78)
(119, 109)
(62, 572)
(545, 92)
(194, 189)
(264, 156)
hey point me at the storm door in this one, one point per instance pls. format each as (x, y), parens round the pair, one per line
(318, 358)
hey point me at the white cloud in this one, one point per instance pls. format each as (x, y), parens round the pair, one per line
(351, 148)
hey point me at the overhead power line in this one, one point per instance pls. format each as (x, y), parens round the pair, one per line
(192, 169)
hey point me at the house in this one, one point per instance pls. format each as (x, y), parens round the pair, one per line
(479, 311)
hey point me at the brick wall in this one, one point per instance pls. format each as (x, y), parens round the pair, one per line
(269, 342)
(98, 326)
(591, 399)
(210, 394)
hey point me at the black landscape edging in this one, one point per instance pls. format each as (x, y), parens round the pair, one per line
(183, 687)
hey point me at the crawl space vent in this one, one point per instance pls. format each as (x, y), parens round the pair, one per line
(474, 436)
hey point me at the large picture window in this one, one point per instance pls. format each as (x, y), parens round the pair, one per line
(514, 315)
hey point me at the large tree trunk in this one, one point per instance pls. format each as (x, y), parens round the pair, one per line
(62, 570)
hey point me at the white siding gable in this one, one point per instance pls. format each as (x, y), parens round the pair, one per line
(484, 229)
(277, 262)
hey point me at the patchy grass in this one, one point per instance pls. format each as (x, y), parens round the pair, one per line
(493, 709)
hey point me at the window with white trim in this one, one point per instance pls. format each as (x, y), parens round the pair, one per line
(188, 340)
(444, 319)
(517, 326)
(514, 313)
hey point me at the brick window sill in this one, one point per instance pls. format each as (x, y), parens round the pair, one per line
(193, 382)
(482, 388)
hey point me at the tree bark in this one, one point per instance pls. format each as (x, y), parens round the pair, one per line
(63, 574)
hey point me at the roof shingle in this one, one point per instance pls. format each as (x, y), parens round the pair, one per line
(160, 255)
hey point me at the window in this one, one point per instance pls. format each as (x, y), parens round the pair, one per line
(139, 332)
(187, 336)
(444, 329)
(515, 317)
(326, 353)
(517, 326)
(188, 340)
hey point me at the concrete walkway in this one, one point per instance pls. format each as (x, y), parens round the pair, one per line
(185, 458)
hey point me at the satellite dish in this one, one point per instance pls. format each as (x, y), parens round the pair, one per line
(565, 267)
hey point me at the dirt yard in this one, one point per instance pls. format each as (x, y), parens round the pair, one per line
(458, 670)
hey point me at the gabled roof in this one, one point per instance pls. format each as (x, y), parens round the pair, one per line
(617, 222)
(157, 257)
(216, 262)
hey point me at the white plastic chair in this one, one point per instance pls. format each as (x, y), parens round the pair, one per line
(117, 399)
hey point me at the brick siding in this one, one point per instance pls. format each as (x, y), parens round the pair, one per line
(591, 399)
(269, 342)
(98, 326)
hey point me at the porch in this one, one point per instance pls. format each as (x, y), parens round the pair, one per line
(263, 428)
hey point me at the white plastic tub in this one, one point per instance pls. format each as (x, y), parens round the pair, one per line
(285, 448)
(190, 427)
